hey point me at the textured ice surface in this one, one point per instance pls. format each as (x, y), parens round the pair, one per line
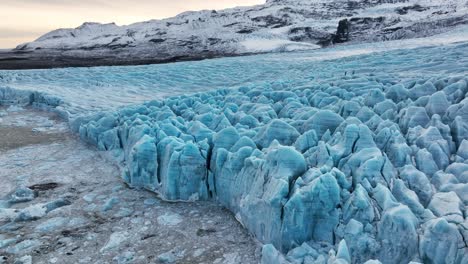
(104, 88)
(347, 160)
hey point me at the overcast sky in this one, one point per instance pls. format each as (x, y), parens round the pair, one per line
(25, 20)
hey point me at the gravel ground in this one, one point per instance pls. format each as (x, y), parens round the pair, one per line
(62, 202)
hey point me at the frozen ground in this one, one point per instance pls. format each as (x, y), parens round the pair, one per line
(96, 218)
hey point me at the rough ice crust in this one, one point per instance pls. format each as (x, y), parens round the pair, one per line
(367, 164)
(86, 90)
(348, 161)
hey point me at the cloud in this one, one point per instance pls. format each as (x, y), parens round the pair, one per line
(56, 2)
(14, 32)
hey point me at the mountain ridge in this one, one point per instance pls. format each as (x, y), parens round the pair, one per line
(276, 26)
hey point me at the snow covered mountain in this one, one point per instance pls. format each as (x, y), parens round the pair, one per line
(277, 25)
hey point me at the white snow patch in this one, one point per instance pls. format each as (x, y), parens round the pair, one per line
(459, 34)
(169, 219)
(269, 45)
(115, 240)
(7, 214)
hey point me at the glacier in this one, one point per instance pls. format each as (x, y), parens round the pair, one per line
(359, 159)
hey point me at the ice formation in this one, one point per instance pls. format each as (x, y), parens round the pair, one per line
(352, 167)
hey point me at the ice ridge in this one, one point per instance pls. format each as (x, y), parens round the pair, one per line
(366, 168)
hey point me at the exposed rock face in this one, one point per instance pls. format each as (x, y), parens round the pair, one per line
(281, 25)
(342, 32)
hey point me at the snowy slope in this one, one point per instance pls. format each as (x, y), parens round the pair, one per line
(281, 25)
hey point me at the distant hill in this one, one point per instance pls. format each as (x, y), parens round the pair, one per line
(276, 26)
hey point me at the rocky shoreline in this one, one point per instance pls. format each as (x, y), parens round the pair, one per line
(21, 60)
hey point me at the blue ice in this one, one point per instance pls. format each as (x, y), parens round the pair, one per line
(356, 160)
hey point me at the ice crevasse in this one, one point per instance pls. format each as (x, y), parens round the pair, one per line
(360, 169)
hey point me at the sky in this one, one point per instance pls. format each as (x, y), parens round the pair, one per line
(25, 20)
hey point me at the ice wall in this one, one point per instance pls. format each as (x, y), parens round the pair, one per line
(40, 100)
(372, 167)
